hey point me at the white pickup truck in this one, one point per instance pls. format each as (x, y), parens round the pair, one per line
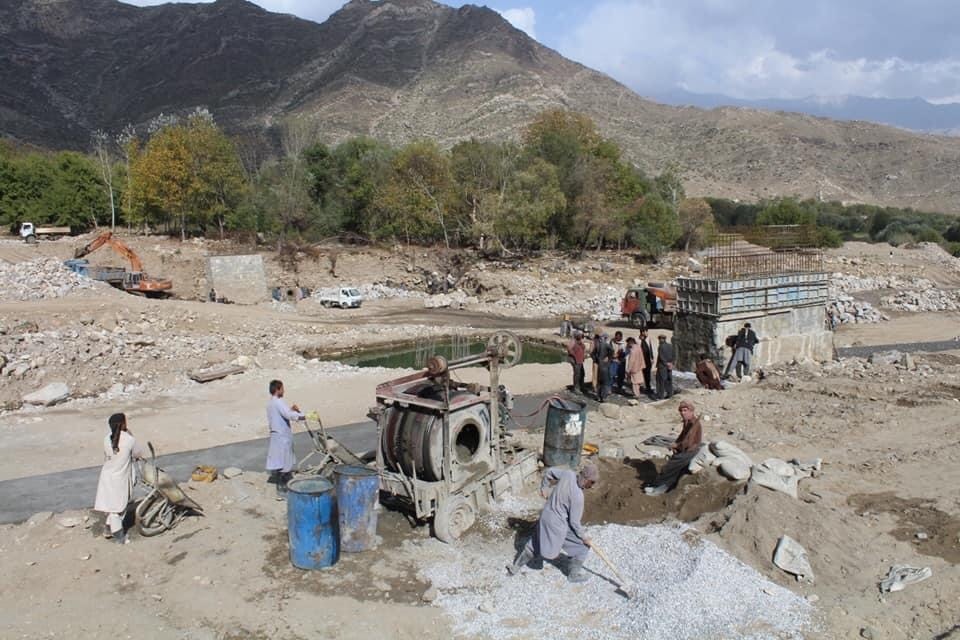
(344, 298)
(29, 232)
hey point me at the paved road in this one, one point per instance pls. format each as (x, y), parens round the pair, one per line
(913, 347)
(75, 489)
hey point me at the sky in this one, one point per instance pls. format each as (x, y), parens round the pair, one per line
(748, 49)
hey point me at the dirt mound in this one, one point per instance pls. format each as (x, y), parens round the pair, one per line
(751, 525)
(619, 497)
(939, 532)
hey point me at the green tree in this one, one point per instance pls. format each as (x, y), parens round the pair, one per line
(415, 202)
(653, 224)
(669, 184)
(188, 173)
(531, 199)
(695, 218)
(482, 173)
(878, 223)
(786, 211)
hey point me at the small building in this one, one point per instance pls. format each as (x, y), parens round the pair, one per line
(766, 277)
(240, 279)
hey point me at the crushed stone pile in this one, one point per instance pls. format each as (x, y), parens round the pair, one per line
(923, 300)
(917, 295)
(846, 310)
(531, 297)
(41, 279)
(374, 291)
(685, 587)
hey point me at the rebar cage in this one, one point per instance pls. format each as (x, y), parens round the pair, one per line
(763, 250)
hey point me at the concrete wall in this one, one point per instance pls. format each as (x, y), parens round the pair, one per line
(785, 334)
(240, 279)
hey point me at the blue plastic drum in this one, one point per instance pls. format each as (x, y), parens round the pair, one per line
(312, 523)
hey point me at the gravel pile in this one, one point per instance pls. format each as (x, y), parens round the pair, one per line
(918, 295)
(923, 300)
(847, 310)
(374, 291)
(533, 297)
(40, 280)
(686, 587)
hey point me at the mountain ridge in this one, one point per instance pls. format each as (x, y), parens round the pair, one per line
(405, 69)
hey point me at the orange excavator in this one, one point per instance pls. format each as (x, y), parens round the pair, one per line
(132, 281)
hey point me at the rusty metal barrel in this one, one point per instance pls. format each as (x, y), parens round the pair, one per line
(357, 489)
(564, 433)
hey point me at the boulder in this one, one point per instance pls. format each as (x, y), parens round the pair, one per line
(776, 474)
(232, 472)
(611, 411)
(49, 395)
(704, 458)
(885, 357)
(3, 362)
(734, 469)
(906, 361)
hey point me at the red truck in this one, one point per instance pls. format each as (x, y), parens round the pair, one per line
(653, 305)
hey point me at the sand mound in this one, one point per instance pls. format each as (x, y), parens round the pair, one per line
(619, 496)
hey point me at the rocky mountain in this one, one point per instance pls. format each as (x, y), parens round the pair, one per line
(405, 69)
(915, 114)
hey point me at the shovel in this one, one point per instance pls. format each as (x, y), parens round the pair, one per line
(628, 589)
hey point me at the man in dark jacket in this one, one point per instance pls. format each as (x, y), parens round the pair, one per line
(665, 360)
(743, 353)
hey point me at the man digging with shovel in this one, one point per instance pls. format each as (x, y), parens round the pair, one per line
(559, 527)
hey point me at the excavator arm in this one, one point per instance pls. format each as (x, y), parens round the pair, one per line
(120, 248)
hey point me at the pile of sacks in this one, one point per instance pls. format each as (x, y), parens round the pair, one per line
(733, 464)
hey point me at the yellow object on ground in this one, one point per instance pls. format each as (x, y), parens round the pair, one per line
(204, 473)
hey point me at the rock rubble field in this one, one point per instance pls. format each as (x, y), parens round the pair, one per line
(864, 448)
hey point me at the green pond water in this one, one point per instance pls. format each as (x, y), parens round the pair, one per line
(409, 356)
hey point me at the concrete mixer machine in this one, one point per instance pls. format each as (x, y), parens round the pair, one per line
(443, 444)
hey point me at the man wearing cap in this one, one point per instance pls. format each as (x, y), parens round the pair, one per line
(665, 359)
(559, 528)
(684, 449)
(577, 352)
(743, 351)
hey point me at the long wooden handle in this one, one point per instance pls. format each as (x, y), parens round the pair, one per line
(606, 561)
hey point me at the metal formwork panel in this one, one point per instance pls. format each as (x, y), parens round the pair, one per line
(742, 295)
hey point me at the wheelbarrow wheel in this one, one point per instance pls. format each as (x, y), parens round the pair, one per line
(154, 515)
(452, 519)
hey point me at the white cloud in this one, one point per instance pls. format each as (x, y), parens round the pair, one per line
(524, 18)
(654, 45)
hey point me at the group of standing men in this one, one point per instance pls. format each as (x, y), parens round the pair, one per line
(618, 363)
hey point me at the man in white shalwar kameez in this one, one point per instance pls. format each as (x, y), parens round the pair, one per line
(559, 527)
(115, 487)
(280, 458)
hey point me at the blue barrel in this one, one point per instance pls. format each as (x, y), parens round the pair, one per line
(563, 435)
(312, 523)
(357, 490)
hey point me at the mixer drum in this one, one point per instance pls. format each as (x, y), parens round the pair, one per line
(412, 439)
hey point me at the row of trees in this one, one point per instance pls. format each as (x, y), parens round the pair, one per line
(838, 222)
(563, 185)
